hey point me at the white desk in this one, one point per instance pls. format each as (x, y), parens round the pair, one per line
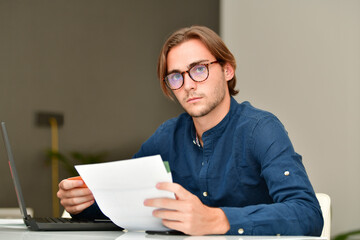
(16, 229)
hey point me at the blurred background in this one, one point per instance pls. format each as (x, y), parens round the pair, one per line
(94, 62)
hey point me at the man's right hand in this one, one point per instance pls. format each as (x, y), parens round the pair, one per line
(74, 196)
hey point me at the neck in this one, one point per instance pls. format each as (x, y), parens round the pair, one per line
(204, 123)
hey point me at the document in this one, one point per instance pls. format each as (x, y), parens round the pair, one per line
(120, 188)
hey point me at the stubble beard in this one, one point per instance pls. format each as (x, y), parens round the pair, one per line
(217, 96)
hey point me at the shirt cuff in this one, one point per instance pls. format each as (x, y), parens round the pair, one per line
(240, 223)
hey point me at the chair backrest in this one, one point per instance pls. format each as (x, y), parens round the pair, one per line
(65, 214)
(325, 204)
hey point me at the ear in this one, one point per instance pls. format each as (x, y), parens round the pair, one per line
(228, 72)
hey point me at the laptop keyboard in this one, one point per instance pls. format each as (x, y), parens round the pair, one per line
(60, 220)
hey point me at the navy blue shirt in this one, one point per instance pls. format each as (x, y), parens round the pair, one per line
(247, 166)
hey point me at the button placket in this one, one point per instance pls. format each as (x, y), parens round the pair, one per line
(207, 152)
(203, 180)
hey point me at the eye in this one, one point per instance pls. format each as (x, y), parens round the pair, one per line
(198, 69)
(175, 77)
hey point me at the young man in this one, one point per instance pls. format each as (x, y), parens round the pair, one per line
(234, 168)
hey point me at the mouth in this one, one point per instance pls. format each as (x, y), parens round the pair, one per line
(193, 99)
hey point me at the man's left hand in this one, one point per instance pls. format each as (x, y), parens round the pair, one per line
(187, 213)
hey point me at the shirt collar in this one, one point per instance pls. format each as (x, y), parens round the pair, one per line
(216, 130)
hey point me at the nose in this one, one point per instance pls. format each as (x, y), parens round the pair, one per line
(188, 82)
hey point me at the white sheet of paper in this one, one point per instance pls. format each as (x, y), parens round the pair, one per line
(120, 188)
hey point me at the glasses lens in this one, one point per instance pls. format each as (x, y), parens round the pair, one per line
(174, 80)
(199, 72)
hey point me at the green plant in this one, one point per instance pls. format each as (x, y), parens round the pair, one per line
(75, 158)
(346, 235)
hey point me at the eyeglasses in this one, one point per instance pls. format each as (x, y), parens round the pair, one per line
(198, 73)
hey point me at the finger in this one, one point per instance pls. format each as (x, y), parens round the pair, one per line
(69, 184)
(78, 178)
(78, 208)
(180, 192)
(76, 192)
(165, 203)
(176, 225)
(76, 201)
(168, 214)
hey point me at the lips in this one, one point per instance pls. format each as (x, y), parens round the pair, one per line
(193, 99)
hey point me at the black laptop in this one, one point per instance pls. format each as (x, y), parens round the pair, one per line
(51, 223)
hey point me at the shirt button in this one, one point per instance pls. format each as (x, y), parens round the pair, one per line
(194, 142)
(202, 163)
(205, 194)
(286, 173)
(241, 231)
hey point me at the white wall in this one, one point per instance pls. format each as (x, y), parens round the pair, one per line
(301, 61)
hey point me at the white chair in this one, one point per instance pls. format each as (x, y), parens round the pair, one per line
(65, 214)
(325, 204)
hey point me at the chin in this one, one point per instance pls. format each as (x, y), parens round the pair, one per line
(198, 113)
(196, 110)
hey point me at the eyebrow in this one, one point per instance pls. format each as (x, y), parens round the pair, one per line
(188, 66)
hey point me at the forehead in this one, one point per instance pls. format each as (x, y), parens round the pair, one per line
(186, 53)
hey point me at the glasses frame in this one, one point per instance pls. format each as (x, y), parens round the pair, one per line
(188, 72)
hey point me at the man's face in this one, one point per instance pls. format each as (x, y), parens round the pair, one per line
(198, 98)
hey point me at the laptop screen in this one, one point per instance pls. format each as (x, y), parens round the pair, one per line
(13, 171)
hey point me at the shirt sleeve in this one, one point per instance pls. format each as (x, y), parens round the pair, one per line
(295, 209)
(148, 148)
